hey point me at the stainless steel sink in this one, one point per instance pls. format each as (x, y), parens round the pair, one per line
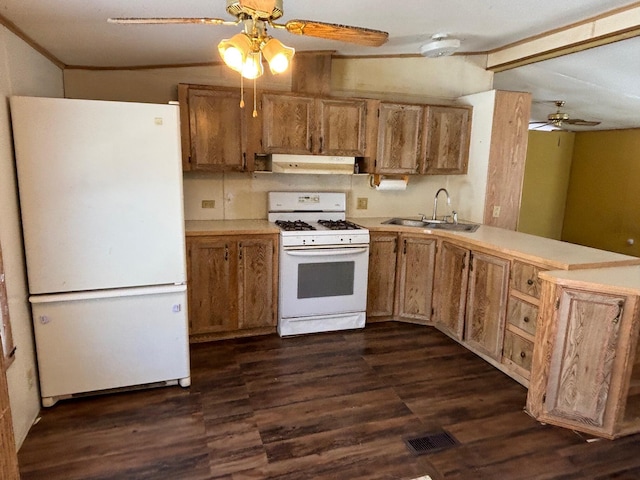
(433, 224)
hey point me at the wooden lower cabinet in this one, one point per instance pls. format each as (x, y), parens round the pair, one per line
(487, 303)
(232, 285)
(585, 367)
(451, 288)
(416, 266)
(381, 291)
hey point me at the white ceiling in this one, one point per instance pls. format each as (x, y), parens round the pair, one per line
(77, 34)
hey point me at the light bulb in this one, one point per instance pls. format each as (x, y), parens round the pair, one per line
(233, 58)
(235, 50)
(279, 63)
(252, 67)
(277, 55)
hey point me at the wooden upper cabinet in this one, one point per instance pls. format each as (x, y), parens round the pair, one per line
(446, 133)
(383, 249)
(487, 303)
(288, 123)
(342, 127)
(212, 124)
(451, 288)
(416, 266)
(298, 124)
(399, 130)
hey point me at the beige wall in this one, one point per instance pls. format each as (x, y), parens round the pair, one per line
(546, 180)
(602, 202)
(23, 71)
(440, 80)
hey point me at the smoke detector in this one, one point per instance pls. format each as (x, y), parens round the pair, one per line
(440, 45)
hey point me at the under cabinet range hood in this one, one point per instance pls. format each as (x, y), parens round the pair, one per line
(316, 164)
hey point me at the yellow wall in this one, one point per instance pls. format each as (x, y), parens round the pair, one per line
(546, 180)
(602, 209)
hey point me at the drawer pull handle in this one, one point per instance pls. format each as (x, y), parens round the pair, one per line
(522, 354)
(529, 282)
(526, 319)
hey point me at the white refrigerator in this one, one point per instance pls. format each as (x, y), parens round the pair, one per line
(102, 216)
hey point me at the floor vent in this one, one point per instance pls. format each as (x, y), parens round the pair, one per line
(431, 442)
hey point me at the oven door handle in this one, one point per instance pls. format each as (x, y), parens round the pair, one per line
(325, 253)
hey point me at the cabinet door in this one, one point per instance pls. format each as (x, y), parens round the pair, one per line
(451, 288)
(342, 125)
(399, 131)
(382, 274)
(212, 284)
(446, 135)
(415, 280)
(288, 123)
(487, 304)
(257, 282)
(215, 129)
(587, 360)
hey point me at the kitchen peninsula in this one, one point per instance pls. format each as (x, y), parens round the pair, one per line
(559, 318)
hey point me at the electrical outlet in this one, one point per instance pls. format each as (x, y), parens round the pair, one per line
(496, 211)
(362, 203)
(208, 204)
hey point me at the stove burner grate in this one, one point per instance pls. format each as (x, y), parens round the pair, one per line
(294, 225)
(339, 225)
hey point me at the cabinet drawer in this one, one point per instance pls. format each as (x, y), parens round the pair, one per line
(522, 314)
(518, 350)
(524, 278)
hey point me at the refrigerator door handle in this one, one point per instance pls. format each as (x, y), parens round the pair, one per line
(118, 292)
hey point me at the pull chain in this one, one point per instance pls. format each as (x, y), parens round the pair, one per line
(241, 91)
(255, 101)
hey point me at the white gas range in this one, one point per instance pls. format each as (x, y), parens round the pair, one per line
(323, 263)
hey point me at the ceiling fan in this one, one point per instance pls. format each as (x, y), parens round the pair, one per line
(244, 51)
(561, 119)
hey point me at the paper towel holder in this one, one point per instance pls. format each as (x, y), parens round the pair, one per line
(374, 179)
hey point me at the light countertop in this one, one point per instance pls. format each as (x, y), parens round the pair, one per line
(554, 253)
(194, 228)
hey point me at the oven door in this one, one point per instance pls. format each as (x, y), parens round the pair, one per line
(323, 281)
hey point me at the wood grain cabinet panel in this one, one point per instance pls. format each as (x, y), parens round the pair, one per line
(288, 123)
(416, 264)
(518, 351)
(487, 303)
(524, 278)
(451, 288)
(232, 285)
(447, 132)
(522, 315)
(257, 273)
(399, 130)
(381, 290)
(212, 285)
(342, 127)
(585, 366)
(299, 124)
(215, 130)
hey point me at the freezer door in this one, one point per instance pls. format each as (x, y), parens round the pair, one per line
(92, 341)
(100, 193)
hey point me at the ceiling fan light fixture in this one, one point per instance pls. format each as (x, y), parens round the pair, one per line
(277, 55)
(235, 51)
(252, 67)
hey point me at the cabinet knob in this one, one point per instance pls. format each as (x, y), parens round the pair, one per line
(526, 319)
(522, 354)
(529, 282)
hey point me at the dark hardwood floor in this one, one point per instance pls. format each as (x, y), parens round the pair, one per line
(324, 406)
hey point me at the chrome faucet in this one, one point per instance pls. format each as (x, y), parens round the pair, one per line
(435, 201)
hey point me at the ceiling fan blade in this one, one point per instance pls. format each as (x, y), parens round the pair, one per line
(343, 33)
(581, 123)
(177, 20)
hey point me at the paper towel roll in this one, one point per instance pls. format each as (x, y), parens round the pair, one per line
(391, 184)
